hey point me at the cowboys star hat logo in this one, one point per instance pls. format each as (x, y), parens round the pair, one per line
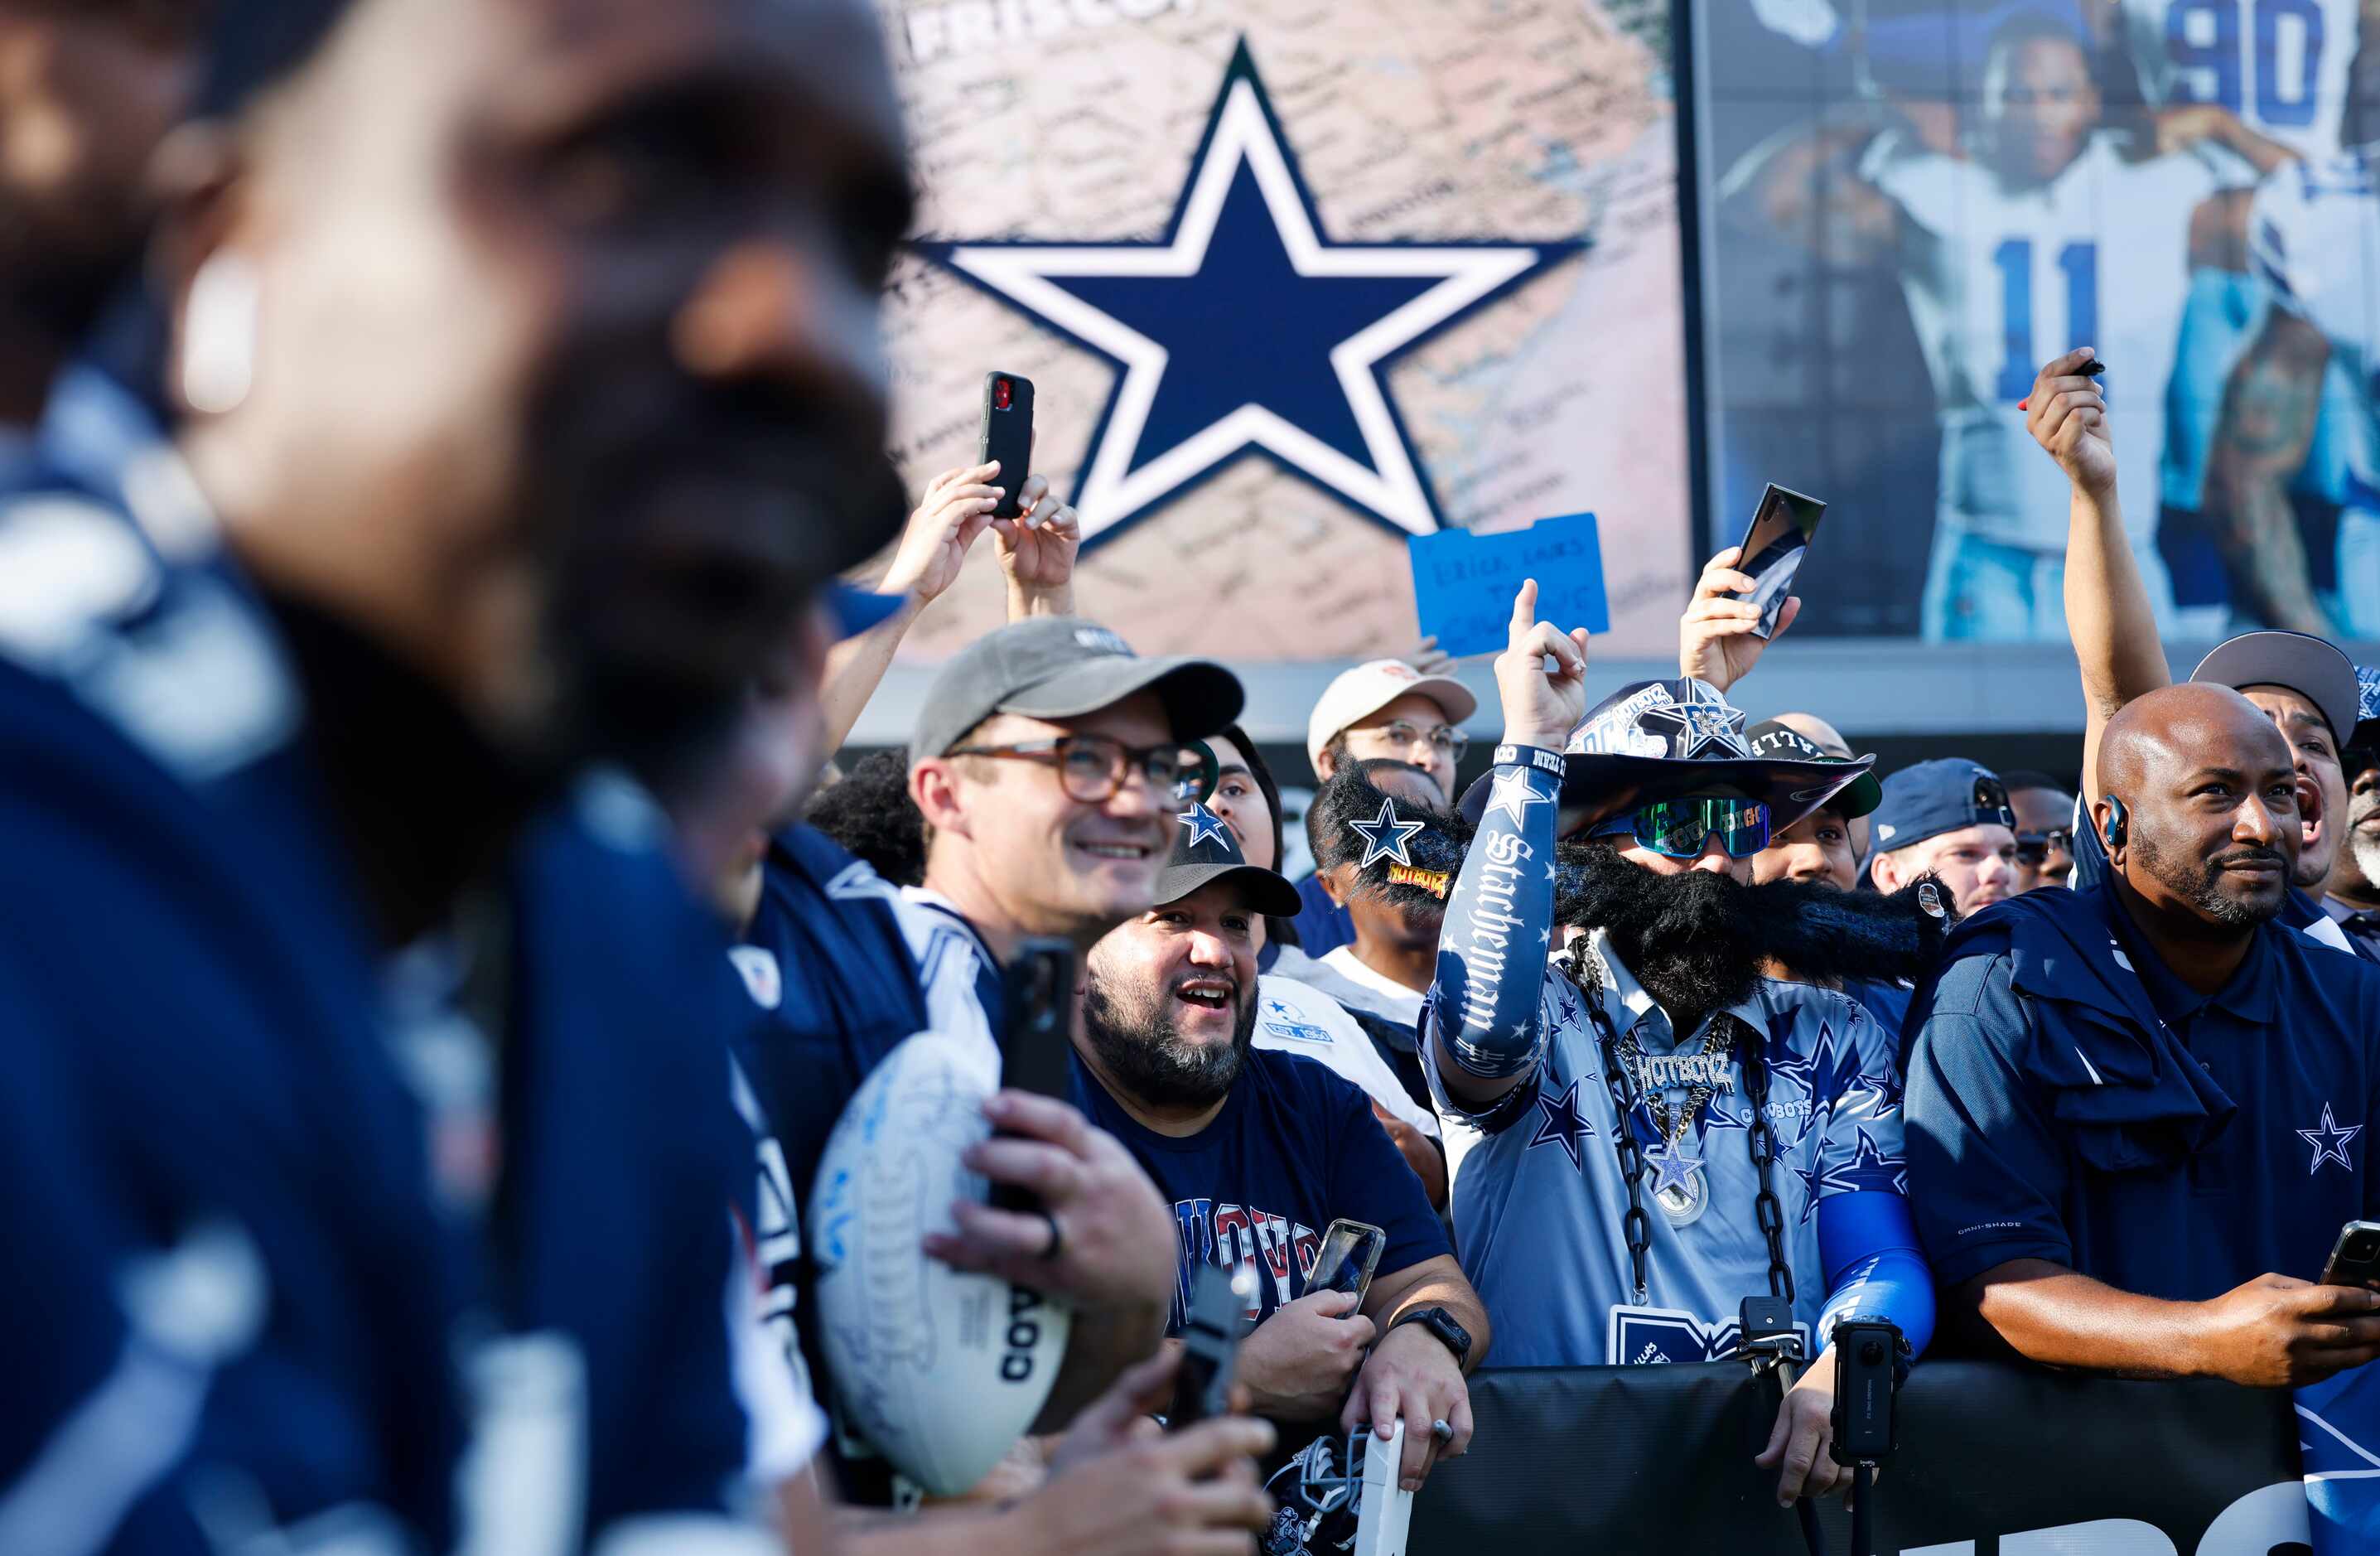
(1245, 327)
(1699, 728)
(1205, 827)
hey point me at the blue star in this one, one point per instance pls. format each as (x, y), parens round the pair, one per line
(1243, 327)
(1704, 727)
(1205, 827)
(1384, 836)
(1563, 1126)
(1511, 793)
(1672, 1168)
(2329, 1142)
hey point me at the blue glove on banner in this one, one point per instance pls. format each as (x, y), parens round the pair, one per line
(2338, 1438)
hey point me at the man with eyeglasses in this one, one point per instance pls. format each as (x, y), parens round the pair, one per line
(2045, 830)
(1382, 710)
(1659, 1132)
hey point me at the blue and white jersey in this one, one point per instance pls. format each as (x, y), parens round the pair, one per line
(1539, 1198)
(2001, 279)
(2281, 65)
(2314, 233)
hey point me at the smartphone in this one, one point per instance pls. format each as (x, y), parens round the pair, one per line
(1038, 985)
(1007, 435)
(2355, 1257)
(1868, 1355)
(1350, 1251)
(1782, 527)
(1210, 1345)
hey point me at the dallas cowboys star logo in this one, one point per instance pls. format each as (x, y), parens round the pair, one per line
(1703, 727)
(2329, 1142)
(1564, 1126)
(1511, 791)
(1672, 1168)
(1243, 327)
(1384, 836)
(1205, 827)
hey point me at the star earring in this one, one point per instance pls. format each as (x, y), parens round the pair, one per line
(219, 334)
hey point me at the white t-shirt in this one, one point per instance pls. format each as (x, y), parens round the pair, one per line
(1387, 996)
(1296, 1018)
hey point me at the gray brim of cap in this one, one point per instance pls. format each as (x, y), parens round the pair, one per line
(1201, 697)
(1265, 892)
(2315, 670)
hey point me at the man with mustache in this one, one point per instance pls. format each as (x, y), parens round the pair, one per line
(1260, 1151)
(2302, 683)
(2353, 902)
(1665, 1133)
(2139, 1112)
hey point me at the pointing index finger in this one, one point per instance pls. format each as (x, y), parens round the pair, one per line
(1524, 606)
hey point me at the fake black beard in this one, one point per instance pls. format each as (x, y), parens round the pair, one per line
(1696, 942)
(1140, 1048)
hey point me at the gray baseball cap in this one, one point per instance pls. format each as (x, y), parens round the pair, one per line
(1062, 667)
(2314, 668)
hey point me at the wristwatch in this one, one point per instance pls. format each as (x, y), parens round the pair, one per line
(1441, 1323)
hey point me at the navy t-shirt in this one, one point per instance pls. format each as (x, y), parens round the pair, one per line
(2069, 1099)
(1294, 1149)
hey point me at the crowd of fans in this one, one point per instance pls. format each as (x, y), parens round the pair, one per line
(421, 549)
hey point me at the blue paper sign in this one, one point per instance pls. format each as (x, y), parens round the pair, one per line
(1464, 583)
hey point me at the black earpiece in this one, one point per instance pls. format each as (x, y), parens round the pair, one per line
(2119, 827)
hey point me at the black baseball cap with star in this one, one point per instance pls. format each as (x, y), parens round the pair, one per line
(1205, 852)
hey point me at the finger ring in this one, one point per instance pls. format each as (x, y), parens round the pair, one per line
(1057, 1239)
(1441, 1431)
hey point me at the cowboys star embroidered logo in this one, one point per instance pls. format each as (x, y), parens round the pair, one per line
(1512, 792)
(1205, 827)
(1384, 836)
(1563, 1124)
(1699, 728)
(2329, 1142)
(1243, 328)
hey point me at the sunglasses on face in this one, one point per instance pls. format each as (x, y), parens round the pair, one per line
(1679, 829)
(2032, 849)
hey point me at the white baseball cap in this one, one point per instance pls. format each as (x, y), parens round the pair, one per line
(1364, 690)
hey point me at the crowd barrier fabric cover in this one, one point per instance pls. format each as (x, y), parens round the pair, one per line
(1657, 1461)
(1294, 282)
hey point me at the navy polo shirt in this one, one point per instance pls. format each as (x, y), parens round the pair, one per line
(2069, 1099)
(1294, 1149)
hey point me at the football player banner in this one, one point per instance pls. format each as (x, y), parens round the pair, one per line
(1992, 1458)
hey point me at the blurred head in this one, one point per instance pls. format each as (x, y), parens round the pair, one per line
(1170, 998)
(86, 90)
(871, 813)
(2040, 103)
(2210, 794)
(726, 801)
(2045, 831)
(1386, 710)
(539, 338)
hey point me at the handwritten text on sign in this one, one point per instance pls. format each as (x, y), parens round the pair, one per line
(1464, 583)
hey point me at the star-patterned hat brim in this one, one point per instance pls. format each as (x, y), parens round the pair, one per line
(1596, 786)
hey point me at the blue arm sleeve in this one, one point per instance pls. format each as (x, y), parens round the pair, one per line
(1491, 950)
(1868, 1243)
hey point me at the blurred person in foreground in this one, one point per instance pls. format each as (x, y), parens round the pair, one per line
(2114, 1161)
(1259, 1151)
(1386, 710)
(500, 457)
(2304, 684)
(2045, 830)
(1646, 1101)
(1291, 1015)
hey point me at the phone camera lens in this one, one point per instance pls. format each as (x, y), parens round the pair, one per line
(1003, 393)
(2363, 1247)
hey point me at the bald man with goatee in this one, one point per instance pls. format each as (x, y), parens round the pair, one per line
(2139, 1112)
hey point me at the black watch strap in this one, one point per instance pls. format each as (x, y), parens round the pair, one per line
(1441, 1323)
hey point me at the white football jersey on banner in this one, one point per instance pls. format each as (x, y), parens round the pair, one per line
(1999, 281)
(2314, 232)
(2281, 65)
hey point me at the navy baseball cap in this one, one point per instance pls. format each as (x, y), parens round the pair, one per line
(1934, 797)
(1205, 852)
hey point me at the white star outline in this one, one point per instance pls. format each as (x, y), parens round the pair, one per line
(1111, 492)
(1386, 825)
(1204, 826)
(2329, 1142)
(1511, 793)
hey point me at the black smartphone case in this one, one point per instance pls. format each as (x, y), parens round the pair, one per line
(1007, 436)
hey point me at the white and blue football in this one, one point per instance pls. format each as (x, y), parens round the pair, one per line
(940, 1371)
